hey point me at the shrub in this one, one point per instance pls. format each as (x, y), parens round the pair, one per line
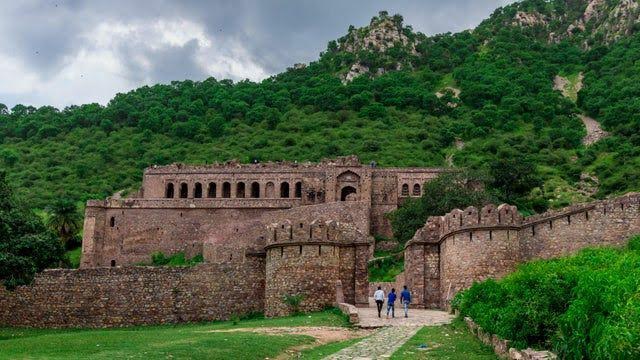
(294, 302)
(177, 259)
(585, 306)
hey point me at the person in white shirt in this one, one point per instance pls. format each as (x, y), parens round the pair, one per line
(378, 296)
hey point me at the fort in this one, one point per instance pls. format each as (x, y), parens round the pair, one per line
(275, 230)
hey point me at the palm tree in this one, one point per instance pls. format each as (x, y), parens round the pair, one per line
(64, 219)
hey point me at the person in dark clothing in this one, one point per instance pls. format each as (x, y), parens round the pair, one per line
(378, 296)
(405, 300)
(391, 303)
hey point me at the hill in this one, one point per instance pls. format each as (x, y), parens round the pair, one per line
(480, 99)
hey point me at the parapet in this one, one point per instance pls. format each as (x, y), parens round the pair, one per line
(316, 231)
(438, 227)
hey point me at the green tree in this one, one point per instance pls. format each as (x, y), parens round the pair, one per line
(64, 219)
(513, 177)
(25, 244)
(440, 195)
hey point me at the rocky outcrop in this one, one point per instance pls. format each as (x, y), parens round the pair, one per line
(529, 19)
(594, 131)
(600, 21)
(383, 33)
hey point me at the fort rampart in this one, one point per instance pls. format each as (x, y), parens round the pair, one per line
(124, 296)
(324, 262)
(314, 260)
(452, 251)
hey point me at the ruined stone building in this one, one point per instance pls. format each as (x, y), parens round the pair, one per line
(276, 230)
(223, 209)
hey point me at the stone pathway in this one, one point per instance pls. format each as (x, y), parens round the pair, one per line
(381, 345)
(391, 333)
(417, 317)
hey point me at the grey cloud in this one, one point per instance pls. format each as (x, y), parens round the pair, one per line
(44, 35)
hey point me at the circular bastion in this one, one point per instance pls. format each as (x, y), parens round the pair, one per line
(303, 265)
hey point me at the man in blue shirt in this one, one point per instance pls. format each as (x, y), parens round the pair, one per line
(391, 302)
(405, 299)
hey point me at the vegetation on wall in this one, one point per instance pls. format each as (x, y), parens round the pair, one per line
(176, 259)
(584, 306)
(441, 195)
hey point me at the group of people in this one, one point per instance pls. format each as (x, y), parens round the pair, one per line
(405, 300)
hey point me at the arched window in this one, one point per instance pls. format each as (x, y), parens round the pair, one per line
(405, 190)
(299, 189)
(211, 192)
(346, 191)
(269, 191)
(416, 190)
(113, 263)
(255, 190)
(284, 190)
(168, 192)
(112, 222)
(240, 190)
(226, 190)
(184, 190)
(197, 191)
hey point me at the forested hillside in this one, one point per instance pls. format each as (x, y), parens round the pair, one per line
(482, 99)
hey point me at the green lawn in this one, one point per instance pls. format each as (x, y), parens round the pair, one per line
(453, 342)
(192, 341)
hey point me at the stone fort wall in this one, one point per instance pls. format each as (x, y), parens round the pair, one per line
(125, 296)
(320, 261)
(451, 252)
(324, 261)
(142, 227)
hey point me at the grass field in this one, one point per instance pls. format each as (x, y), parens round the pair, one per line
(453, 342)
(192, 341)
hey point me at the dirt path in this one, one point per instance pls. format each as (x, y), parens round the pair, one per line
(569, 90)
(321, 334)
(594, 131)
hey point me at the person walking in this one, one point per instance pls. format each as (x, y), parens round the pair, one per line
(378, 296)
(391, 303)
(405, 299)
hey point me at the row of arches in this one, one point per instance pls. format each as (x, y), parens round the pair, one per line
(253, 190)
(417, 190)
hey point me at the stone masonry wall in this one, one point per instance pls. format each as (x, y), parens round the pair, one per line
(472, 245)
(124, 296)
(140, 229)
(557, 233)
(314, 260)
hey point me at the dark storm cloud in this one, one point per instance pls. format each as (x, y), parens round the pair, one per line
(63, 52)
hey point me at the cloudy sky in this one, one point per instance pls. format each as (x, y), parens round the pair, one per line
(62, 52)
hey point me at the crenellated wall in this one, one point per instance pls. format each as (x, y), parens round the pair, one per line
(452, 251)
(608, 222)
(141, 228)
(313, 259)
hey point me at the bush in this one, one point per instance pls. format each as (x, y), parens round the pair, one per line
(294, 302)
(586, 306)
(177, 259)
